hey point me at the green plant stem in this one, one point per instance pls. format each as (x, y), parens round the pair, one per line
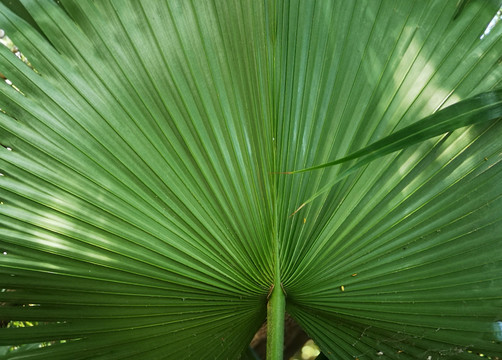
(276, 308)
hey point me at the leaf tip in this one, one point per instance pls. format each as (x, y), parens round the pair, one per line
(302, 205)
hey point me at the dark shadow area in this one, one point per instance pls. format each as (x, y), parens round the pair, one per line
(294, 339)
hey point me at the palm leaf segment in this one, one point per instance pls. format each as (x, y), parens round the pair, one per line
(142, 212)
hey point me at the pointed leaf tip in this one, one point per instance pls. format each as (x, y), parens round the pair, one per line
(299, 208)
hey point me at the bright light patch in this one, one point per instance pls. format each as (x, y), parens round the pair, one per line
(497, 330)
(492, 23)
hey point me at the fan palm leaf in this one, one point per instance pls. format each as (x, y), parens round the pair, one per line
(153, 153)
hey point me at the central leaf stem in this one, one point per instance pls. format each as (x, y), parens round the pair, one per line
(276, 308)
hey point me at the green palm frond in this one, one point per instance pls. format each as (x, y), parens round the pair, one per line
(143, 210)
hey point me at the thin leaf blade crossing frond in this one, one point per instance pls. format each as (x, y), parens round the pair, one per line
(481, 108)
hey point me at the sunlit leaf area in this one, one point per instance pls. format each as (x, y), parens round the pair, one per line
(272, 179)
